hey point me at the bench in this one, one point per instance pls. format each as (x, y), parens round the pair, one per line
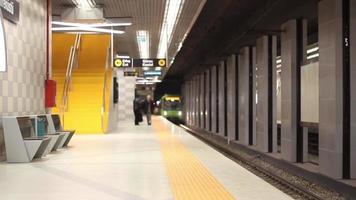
(21, 141)
(57, 138)
(57, 127)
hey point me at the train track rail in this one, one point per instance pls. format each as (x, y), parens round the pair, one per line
(294, 190)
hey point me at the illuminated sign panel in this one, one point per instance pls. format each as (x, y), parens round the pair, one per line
(130, 73)
(152, 73)
(149, 62)
(121, 62)
(10, 10)
(3, 59)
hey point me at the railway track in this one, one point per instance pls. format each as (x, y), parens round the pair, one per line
(294, 190)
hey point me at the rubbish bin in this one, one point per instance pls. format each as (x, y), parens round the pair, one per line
(41, 127)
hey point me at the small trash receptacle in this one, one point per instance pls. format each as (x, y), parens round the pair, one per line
(41, 127)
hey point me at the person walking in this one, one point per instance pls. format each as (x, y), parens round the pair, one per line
(137, 111)
(149, 109)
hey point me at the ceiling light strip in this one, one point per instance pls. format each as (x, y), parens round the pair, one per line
(84, 28)
(91, 25)
(84, 3)
(200, 8)
(143, 43)
(171, 16)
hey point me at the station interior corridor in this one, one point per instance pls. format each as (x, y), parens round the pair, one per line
(161, 161)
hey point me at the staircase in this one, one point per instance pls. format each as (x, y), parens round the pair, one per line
(84, 110)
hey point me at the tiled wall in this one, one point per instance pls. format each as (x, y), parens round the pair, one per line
(126, 96)
(22, 86)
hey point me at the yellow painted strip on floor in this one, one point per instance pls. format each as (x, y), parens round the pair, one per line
(188, 177)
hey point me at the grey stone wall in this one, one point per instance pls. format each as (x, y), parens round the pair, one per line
(207, 100)
(214, 96)
(201, 101)
(353, 86)
(221, 96)
(244, 98)
(288, 98)
(263, 86)
(231, 97)
(331, 88)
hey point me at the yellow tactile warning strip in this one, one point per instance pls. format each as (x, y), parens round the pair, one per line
(189, 179)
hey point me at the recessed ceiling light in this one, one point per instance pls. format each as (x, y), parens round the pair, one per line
(143, 43)
(86, 4)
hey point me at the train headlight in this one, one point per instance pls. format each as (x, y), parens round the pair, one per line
(165, 113)
(179, 113)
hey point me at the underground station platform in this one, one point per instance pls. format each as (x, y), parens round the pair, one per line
(177, 99)
(161, 161)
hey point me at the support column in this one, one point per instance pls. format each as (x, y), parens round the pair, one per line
(231, 97)
(207, 101)
(214, 95)
(193, 102)
(337, 115)
(222, 100)
(266, 125)
(247, 96)
(202, 101)
(197, 105)
(293, 41)
(184, 96)
(190, 103)
(353, 88)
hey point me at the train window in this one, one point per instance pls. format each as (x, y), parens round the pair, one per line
(171, 105)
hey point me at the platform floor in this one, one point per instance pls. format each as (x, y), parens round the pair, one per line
(136, 162)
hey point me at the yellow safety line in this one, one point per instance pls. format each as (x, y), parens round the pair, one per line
(189, 179)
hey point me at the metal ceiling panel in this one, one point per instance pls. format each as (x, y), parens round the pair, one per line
(146, 15)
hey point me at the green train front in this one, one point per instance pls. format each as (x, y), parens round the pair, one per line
(171, 107)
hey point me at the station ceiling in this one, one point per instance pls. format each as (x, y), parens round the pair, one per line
(146, 15)
(225, 26)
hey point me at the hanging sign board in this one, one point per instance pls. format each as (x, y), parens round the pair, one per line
(152, 73)
(10, 10)
(122, 62)
(130, 73)
(149, 62)
(3, 58)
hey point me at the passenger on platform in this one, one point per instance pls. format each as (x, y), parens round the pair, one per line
(137, 110)
(149, 109)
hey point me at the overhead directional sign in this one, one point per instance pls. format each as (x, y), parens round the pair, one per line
(3, 58)
(128, 62)
(122, 62)
(152, 73)
(130, 73)
(149, 62)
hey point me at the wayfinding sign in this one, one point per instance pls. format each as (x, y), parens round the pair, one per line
(10, 10)
(3, 59)
(130, 73)
(152, 73)
(122, 62)
(149, 62)
(128, 62)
